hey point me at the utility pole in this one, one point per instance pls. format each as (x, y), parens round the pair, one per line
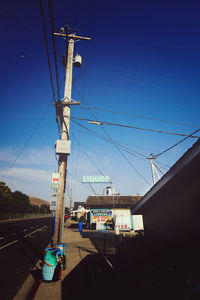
(154, 168)
(70, 205)
(64, 109)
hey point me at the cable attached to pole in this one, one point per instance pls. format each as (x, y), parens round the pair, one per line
(161, 153)
(47, 50)
(54, 47)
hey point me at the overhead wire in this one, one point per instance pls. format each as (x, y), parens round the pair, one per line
(46, 109)
(85, 61)
(55, 59)
(161, 153)
(131, 151)
(47, 50)
(51, 79)
(88, 155)
(188, 136)
(133, 127)
(142, 117)
(54, 47)
(126, 149)
(27, 141)
(81, 182)
(119, 150)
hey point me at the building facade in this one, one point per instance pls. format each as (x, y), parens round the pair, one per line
(106, 212)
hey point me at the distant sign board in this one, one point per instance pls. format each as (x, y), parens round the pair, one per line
(95, 179)
(53, 196)
(53, 205)
(53, 201)
(101, 217)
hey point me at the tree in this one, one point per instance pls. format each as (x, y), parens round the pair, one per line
(44, 209)
(20, 202)
(5, 197)
(34, 209)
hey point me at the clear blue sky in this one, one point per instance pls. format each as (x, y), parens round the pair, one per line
(142, 60)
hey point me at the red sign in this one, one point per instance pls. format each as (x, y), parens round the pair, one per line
(55, 178)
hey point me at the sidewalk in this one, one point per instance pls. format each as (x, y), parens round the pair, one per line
(77, 249)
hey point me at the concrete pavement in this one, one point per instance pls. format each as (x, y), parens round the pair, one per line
(77, 249)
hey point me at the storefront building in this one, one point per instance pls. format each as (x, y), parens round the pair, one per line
(105, 212)
(102, 217)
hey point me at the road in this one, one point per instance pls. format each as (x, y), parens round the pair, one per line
(21, 245)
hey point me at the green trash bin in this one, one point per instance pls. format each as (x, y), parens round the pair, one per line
(49, 264)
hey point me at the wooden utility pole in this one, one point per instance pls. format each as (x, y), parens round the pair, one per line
(65, 124)
(70, 205)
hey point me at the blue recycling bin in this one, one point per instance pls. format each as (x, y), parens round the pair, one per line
(80, 226)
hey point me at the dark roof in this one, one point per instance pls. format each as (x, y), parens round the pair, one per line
(77, 204)
(108, 201)
(171, 208)
(175, 173)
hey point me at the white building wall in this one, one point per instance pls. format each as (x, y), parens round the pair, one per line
(122, 218)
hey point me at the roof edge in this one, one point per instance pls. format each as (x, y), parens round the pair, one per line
(183, 161)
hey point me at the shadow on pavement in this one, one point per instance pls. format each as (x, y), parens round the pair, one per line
(105, 242)
(90, 278)
(72, 226)
(148, 268)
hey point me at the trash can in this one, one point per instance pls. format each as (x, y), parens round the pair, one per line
(49, 264)
(61, 254)
(61, 247)
(80, 226)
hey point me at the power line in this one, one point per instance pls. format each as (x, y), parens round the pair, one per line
(142, 117)
(81, 182)
(121, 154)
(27, 141)
(47, 50)
(88, 155)
(97, 122)
(84, 73)
(157, 155)
(126, 149)
(109, 140)
(127, 160)
(54, 47)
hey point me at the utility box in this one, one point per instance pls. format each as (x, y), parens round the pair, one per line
(138, 224)
(63, 147)
(77, 61)
(122, 219)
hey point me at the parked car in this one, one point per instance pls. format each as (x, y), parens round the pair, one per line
(66, 217)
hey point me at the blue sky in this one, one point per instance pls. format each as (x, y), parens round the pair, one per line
(142, 61)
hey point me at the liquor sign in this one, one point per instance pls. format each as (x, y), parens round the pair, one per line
(95, 179)
(55, 181)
